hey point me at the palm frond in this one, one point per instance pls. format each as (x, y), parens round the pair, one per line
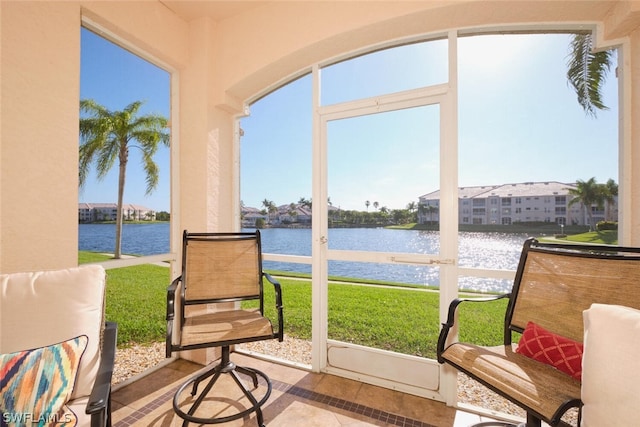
(587, 72)
(106, 136)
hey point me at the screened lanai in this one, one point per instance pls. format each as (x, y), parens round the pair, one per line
(224, 58)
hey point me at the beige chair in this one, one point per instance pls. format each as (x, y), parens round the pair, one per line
(220, 272)
(56, 352)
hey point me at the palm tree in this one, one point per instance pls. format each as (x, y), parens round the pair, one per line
(587, 71)
(305, 203)
(609, 194)
(107, 135)
(588, 193)
(270, 208)
(411, 208)
(293, 211)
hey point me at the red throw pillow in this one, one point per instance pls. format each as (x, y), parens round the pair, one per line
(546, 347)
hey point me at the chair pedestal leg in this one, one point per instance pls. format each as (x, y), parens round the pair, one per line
(533, 421)
(224, 367)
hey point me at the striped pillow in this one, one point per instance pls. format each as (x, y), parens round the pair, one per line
(36, 384)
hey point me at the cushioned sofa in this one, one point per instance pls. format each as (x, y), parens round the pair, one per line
(56, 351)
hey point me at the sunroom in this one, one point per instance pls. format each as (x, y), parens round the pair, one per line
(225, 58)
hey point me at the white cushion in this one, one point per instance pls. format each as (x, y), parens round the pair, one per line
(610, 366)
(43, 308)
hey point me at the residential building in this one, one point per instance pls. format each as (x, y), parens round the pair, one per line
(291, 214)
(91, 212)
(250, 216)
(506, 204)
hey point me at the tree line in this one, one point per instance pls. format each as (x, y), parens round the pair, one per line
(381, 216)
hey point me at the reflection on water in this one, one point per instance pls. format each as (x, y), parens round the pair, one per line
(476, 250)
(137, 239)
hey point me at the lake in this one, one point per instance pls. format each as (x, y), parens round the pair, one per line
(479, 250)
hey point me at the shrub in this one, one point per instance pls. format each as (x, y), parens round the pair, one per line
(606, 225)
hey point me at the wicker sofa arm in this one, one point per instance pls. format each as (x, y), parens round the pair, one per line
(100, 398)
(451, 319)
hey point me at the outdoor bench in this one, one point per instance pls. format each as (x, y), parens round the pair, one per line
(554, 284)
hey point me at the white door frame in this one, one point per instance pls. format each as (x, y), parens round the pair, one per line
(345, 359)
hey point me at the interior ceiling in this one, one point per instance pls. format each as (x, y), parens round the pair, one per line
(214, 9)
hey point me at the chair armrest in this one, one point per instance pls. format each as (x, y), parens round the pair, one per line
(278, 290)
(99, 405)
(171, 297)
(171, 310)
(451, 319)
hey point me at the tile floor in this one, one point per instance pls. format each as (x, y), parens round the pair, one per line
(298, 398)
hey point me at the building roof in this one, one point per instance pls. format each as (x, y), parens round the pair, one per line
(523, 189)
(127, 206)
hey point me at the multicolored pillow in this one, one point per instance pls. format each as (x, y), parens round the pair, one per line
(36, 384)
(546, 347)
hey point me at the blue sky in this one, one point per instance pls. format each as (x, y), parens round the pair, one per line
(518, 121)
(115, 78)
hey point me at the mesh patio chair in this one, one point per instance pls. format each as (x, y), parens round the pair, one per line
(220, 272)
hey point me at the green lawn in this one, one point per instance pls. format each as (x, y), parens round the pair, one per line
(397, 319)
(136, 300)
(609, 237)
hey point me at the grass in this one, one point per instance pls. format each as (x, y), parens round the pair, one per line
(136, 300)
(86, 257)
(609, 237)
(394, 318)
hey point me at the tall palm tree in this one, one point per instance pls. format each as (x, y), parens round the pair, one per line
(588, 193)
(610, 192)
(587, 72)
(270, 208)
(108, 135)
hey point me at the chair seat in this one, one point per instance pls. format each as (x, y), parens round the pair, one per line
(226, 326)
(527, 382)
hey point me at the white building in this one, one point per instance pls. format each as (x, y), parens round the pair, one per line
(250, 216)
(512, 203)
(90, 212)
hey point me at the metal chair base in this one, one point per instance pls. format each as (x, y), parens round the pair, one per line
(224, 367)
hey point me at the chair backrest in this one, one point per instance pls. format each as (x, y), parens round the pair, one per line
(554, 284)
(44, 308)
(219, 267)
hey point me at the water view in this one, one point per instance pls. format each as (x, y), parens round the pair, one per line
(478, 250)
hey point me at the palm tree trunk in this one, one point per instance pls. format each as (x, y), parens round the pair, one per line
(121, 179)
(590, 217)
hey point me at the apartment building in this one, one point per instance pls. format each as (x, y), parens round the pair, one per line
(513, 203)
(91, 212)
